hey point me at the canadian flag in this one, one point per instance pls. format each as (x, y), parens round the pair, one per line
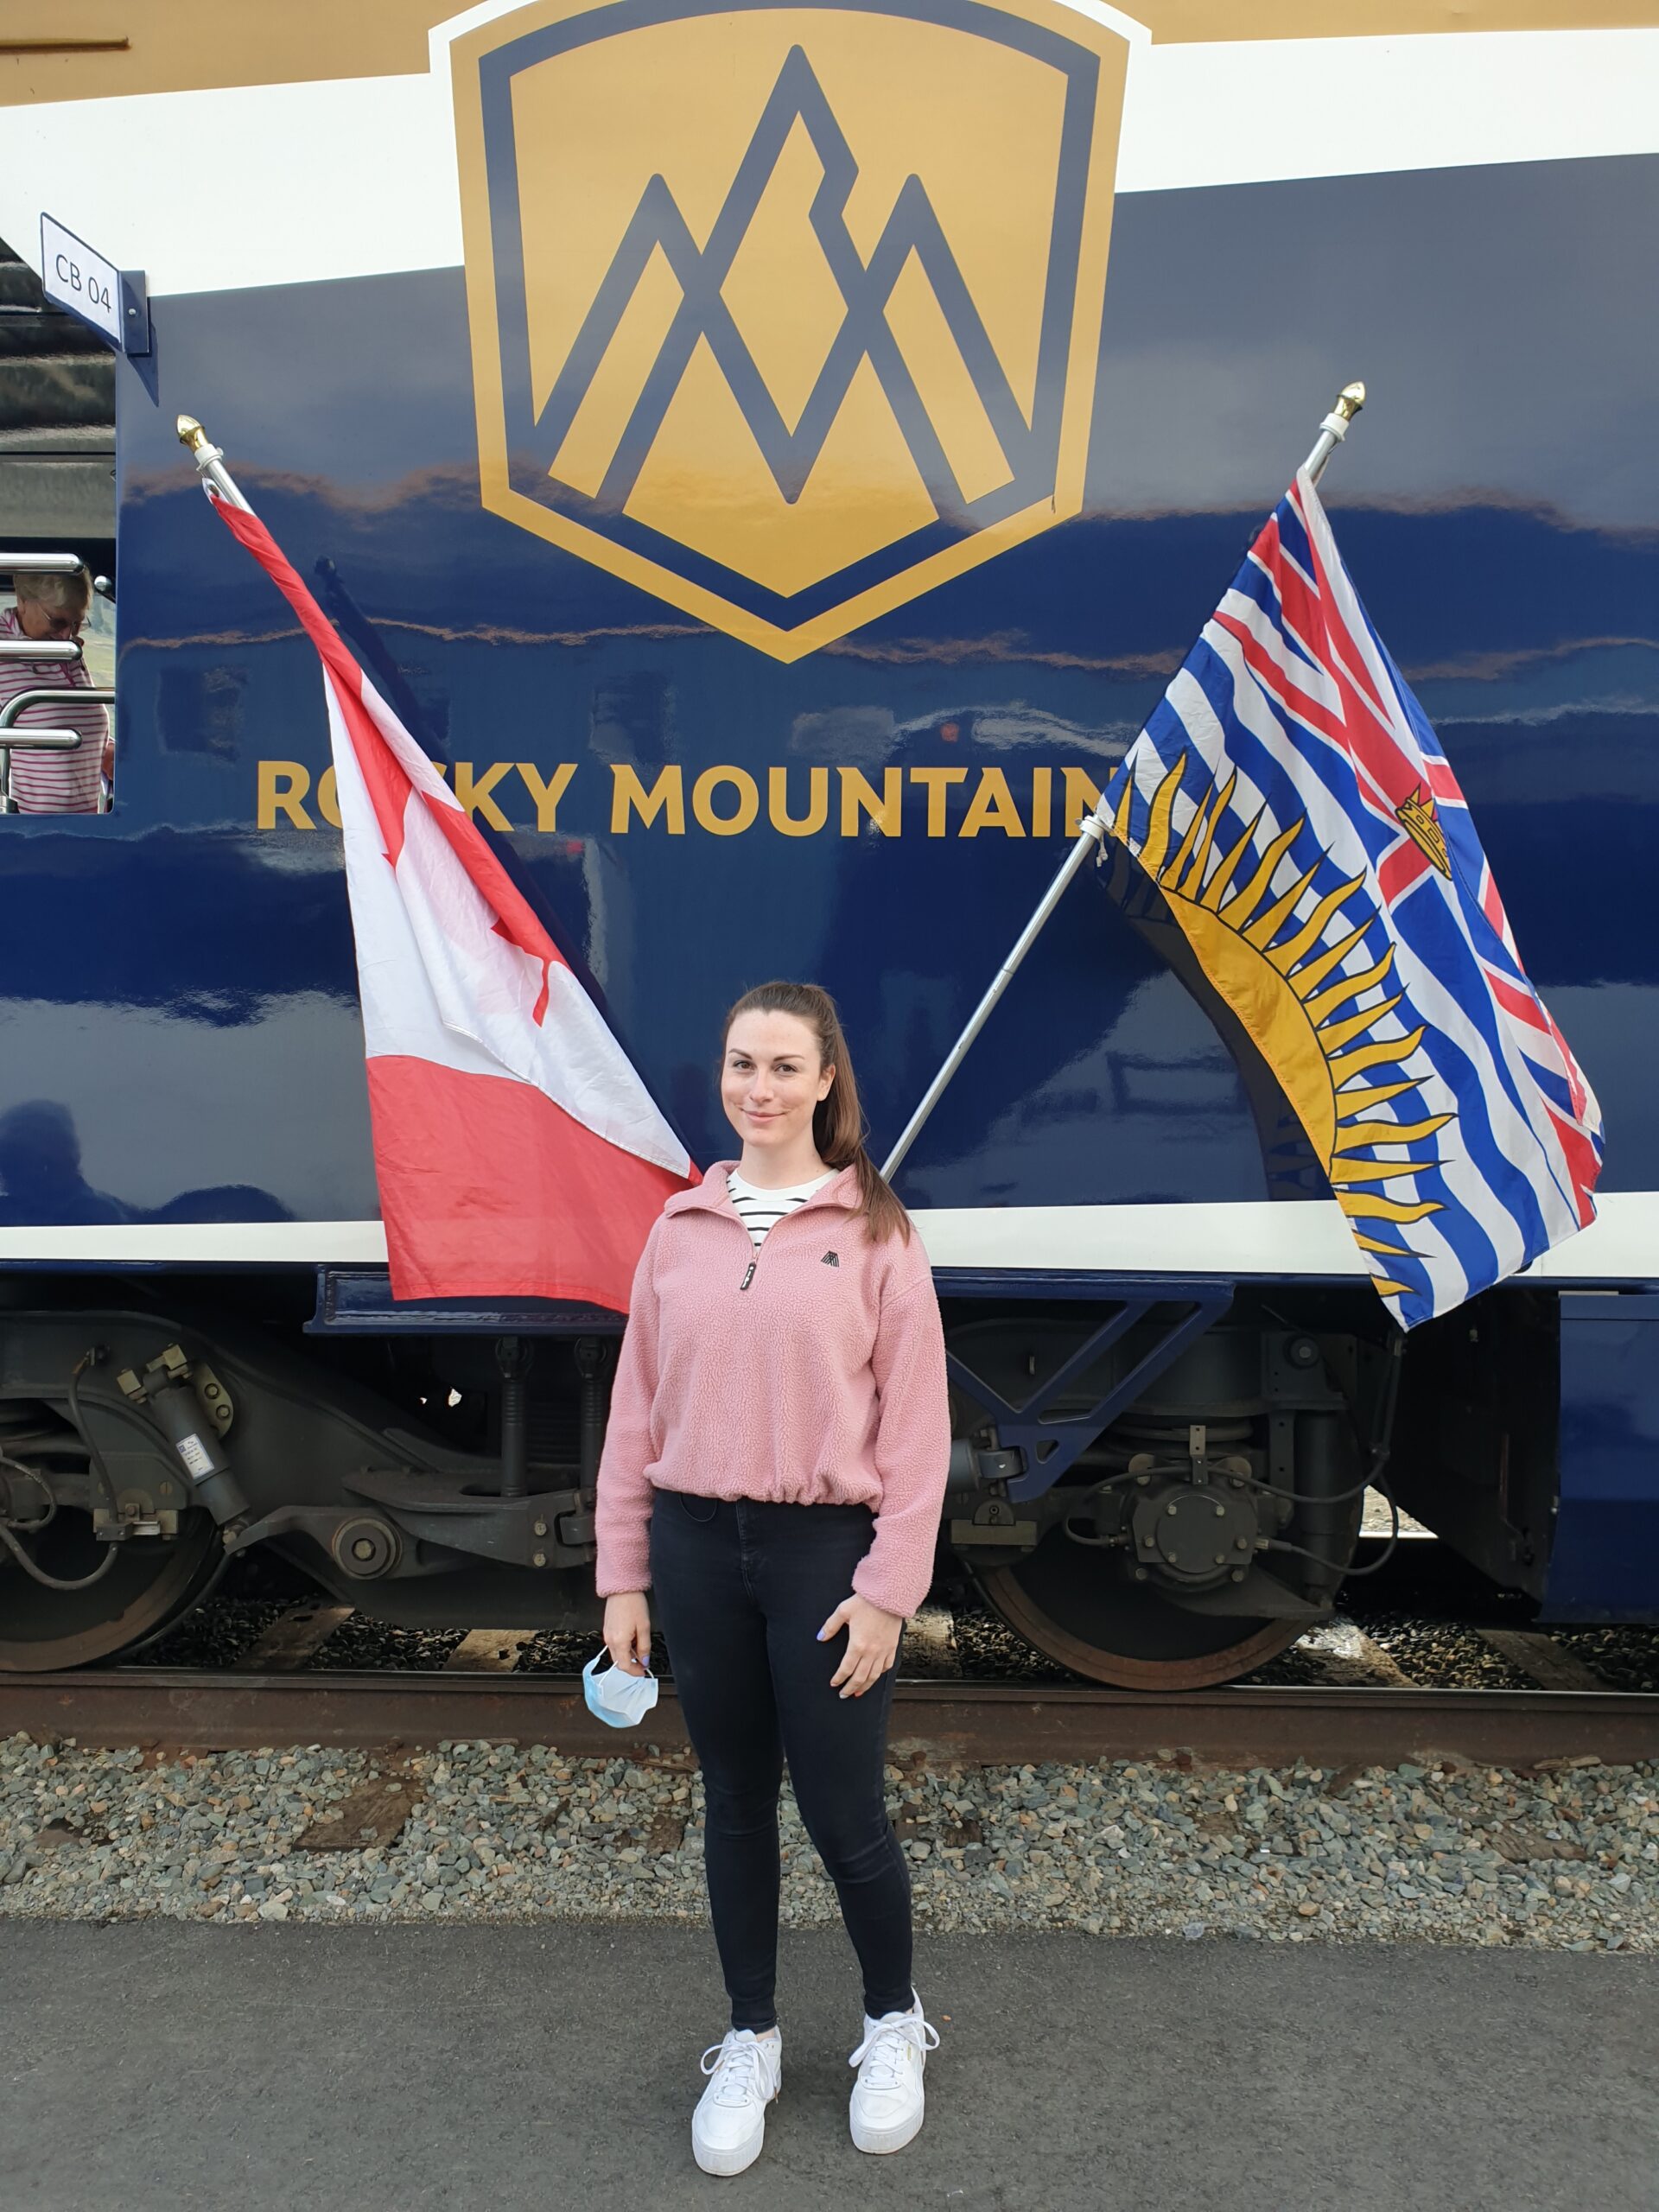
(518, 1153)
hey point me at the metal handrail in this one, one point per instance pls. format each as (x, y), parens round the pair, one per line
(39, 564)
(52, 695)
(46, 649)
(41, 739)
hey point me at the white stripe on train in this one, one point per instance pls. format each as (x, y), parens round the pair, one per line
(1243, 1240)
(362, 170)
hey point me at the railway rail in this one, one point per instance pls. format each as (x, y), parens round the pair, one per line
(957, 1720)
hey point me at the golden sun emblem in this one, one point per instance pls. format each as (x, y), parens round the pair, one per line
(1264, 953)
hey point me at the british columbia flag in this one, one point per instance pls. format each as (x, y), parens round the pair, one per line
(1307, 836)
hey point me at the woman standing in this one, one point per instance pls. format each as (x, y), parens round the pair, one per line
(774, 1469)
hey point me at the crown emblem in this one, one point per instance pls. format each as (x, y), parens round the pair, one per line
(1419, 817)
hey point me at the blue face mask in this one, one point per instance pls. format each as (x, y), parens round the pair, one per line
(618, 1699)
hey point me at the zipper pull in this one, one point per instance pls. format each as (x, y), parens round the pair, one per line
(748, 1278)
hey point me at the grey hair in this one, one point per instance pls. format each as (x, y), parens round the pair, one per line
(64, 594)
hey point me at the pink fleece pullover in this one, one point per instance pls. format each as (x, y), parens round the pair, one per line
(811, 1372)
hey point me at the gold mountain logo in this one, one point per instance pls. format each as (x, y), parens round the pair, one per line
(787, 313)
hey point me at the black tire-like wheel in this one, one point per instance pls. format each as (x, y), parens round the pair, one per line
(151, 1584)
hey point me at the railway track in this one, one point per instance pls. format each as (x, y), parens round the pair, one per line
(951, 1721)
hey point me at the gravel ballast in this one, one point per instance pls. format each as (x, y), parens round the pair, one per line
(1438, 1654)
(1566, 1858)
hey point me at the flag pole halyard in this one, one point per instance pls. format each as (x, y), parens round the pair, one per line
(1089, 838)
(209, 460)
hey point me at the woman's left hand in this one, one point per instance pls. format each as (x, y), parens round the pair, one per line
(872, 1645)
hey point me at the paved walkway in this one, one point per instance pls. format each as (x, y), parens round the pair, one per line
(151, 2067)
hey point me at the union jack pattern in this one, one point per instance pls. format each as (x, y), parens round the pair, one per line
(1307, 834)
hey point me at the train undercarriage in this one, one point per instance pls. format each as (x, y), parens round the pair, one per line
(1157, 1490)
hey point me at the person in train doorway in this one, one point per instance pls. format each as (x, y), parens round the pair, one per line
(51, 610)
(773, 1472)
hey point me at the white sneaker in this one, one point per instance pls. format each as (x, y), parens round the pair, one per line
(888, 2103)
(729, 2125)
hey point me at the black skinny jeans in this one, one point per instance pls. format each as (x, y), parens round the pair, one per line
(742, 1590)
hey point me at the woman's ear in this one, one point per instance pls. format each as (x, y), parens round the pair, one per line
(828, 1080)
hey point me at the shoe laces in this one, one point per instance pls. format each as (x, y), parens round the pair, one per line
(735, 2063)
(880, 2057)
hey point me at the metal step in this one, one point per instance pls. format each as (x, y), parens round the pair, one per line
(58, 391)
(31, 331)
(19, 285)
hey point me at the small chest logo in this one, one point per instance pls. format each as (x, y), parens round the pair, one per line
(832, 1259)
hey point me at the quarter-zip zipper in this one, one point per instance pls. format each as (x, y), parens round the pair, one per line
(748, 1273)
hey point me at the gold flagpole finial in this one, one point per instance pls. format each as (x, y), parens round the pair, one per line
(1334, 429)
(208, 459)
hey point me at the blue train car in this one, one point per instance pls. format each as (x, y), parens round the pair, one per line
(774, 459)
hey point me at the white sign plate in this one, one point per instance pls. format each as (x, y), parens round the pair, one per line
(77, 279)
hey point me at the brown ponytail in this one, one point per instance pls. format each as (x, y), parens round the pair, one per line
(838, 1129)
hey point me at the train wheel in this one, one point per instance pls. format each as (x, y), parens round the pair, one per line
(1124, 1633)
(150, 1584)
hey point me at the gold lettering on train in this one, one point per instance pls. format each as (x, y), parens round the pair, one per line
(283, 785)
(548, 794)
(742, 815)
(936, 782)
(1082, 793)
(666, 796)
(727, 801)
(818, 802)
(473, 791)
(859, 796)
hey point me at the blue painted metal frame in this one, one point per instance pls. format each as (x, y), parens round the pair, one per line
(358, 1301)
(1604, 1562)
(1052, 1442)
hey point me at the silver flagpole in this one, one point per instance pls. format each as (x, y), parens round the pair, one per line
(1332, 431)
(208, 459)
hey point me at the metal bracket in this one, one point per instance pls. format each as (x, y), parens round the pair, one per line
(1052, 1441)
(358, 1301)
(136, 340)
(514, 1531)
(994, 1524)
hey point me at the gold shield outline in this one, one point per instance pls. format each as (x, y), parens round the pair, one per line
(1099, 51)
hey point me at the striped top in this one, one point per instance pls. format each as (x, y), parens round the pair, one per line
(52, 782)
(760, 1211)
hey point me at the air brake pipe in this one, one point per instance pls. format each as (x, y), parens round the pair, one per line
(1332, 431)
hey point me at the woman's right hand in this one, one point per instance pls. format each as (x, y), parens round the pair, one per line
(628, 1632)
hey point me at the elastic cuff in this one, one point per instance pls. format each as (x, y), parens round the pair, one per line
(885, 1598)
(617, 1585)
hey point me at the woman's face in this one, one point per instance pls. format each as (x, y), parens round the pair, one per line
(41, 622)
(771, 1079)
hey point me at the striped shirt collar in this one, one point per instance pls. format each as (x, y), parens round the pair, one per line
(712, 1196)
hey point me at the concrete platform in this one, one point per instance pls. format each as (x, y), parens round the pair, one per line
(152, 2067)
